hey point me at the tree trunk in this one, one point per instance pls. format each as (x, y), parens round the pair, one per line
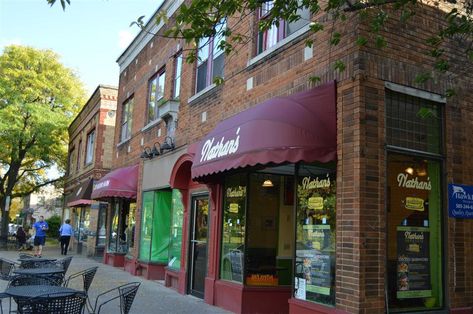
(4, 227)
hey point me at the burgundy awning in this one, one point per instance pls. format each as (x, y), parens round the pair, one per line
(121, 182)
(300, 127)
(81, 194)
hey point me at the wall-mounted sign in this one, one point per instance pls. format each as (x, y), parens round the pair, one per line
(262, 280)
(315, 202)
(415, 203)
(238, 191)
(309, 184)
(460, 201)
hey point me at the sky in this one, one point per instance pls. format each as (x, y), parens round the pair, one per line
(89, 35)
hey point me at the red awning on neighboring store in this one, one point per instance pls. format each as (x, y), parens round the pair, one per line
(121, 182)
(81, 194)
(299, 127)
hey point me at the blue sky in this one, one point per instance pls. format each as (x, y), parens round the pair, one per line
(89, 36)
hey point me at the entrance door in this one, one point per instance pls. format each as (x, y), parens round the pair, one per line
(198, 245)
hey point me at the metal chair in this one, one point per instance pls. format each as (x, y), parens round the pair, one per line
(87, 278)
(22, 280)
(6, 269)
(58, 303)
(64, 263)
(126, 293)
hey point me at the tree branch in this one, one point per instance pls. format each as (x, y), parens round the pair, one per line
(35, 188)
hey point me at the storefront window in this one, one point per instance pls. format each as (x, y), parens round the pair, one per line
(315, 234)
(122, 226)
(233, 237)
(176, 230)
(101, 224)
(155, 227)
(81, 230)
(414, 233)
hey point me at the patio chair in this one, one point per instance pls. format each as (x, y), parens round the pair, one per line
(87, 278)
(6, 269)
(23, 280)
(64, 263)
(58, 303)
(126, 293)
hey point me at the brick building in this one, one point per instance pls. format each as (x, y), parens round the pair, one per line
(271, 193)
(91, 137)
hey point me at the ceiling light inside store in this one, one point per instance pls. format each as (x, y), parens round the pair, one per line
(410, 170)
(267, 184)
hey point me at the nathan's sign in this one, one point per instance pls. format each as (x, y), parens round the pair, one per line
(215, 149)
(309, 184)
(404, 181)
(239, 191)
(101, 185)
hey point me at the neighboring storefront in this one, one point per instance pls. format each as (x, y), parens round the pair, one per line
(263, 225)
(118, 188)
(160, 233)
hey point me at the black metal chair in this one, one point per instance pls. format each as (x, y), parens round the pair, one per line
(23, 280)
(59, 303)
(87, 278)
(64, 263)
(126, 293)
(6, 269)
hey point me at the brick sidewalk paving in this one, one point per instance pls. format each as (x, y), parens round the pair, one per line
(152, 296)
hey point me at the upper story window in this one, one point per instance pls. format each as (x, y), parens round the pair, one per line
(126, 120)
(176, 91)
(276, 33)
(78, 154)
(210, 62)
(71, 160)
(89, 151)
(155, 94)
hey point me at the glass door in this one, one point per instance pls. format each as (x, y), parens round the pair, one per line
(198, 245)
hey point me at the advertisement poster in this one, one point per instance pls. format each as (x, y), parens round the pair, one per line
(316, 262)
(413, 263)
(460, 201)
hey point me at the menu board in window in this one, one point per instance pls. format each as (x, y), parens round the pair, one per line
(413, 263)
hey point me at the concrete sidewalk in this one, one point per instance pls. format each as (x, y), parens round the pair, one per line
(152, 296)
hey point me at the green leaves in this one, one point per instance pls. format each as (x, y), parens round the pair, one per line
(40, 98)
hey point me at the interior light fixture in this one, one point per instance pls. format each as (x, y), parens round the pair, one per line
(410, 170)
(267, 184)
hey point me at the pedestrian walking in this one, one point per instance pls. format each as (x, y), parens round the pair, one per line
(40, 228)
(65, 232)
(20, 238)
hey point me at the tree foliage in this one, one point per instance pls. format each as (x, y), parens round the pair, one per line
(38, 99)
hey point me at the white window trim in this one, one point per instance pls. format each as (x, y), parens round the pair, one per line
(201, 93)
(279, 45)
(150, 124)
(415, 92)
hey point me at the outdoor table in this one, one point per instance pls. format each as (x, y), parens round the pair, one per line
(35, 260)
(38, 271)
(28, 292)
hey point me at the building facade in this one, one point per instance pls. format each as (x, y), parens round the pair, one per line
(91, 137)
(277, 192)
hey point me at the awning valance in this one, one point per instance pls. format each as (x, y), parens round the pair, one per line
(80, 196)
(300, 127)
(121, 182)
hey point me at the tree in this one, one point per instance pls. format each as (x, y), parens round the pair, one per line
(39, 97)
(198, 19)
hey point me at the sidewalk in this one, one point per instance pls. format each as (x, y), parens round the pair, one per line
(152, 296)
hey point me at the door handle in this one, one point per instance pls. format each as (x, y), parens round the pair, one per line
(197, 241)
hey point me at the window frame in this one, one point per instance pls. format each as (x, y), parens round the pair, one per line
(176, 90)
(161, 73)
(90, 146)
(126, 112)
(211, 57)
(79, 148)
(281, 30)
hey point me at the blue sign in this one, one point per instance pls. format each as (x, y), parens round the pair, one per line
(460, 201)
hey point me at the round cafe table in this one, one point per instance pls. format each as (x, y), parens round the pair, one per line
(34, 291)
(34, 262)
(38, 271)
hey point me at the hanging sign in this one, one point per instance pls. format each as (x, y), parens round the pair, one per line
(415, 203)
(315, 202)
(460, 201)
(233, 208)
